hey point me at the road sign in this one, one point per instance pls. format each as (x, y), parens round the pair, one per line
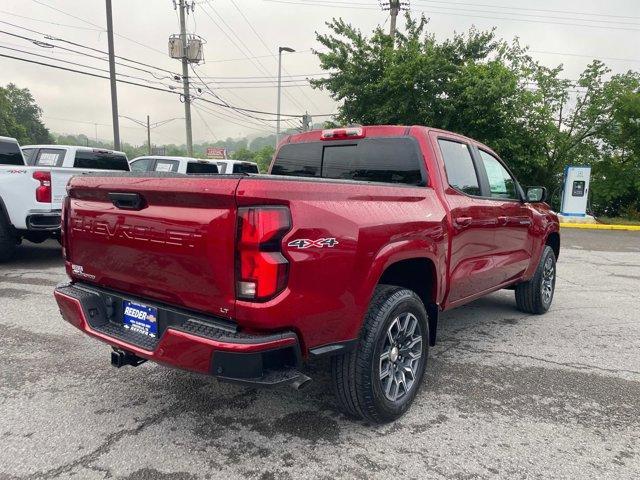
(219, 153)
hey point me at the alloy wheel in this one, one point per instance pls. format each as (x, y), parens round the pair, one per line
(401, 356)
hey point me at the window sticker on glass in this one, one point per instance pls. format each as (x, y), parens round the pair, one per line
(48, 159)
(164, 167)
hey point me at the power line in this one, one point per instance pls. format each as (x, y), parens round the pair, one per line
(255, 62)
(151, 87)
(362, 6)
(53, 38)
(95, 25)
(77, 64)
(264, 44)
(599, 15)
(48, 22)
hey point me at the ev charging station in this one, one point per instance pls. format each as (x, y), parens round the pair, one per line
(575, 191)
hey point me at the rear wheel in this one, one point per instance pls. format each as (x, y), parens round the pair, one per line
(8, 240)
(379, 380)
(536, 295)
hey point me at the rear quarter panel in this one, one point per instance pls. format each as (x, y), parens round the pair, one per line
(330, 288)
(18, 193)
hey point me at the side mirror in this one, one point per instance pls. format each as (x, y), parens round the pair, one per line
(536, 194)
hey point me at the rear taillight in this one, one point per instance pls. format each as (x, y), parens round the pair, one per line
(43, 192)
(261, 269)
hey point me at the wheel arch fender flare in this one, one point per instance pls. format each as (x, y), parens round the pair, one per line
(406, 250)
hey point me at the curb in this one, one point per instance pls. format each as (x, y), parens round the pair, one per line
(600, 226)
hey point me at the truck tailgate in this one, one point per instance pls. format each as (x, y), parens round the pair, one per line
(176, 246)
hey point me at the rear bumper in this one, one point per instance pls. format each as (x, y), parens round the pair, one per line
(185, 340)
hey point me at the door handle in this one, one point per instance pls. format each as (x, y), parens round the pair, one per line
(503, 220)
(127, 201)
(463, 221)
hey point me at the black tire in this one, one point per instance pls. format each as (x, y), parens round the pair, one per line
(534, 296)
(8, 240)
(357, 374)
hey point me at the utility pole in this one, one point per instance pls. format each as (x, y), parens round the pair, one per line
(148, 136)
(306, 122)
(394, 7)
(185, 76)
(112, 77)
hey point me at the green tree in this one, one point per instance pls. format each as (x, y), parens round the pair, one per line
(263, 157)
(487, 89)
(243, 154)
(20, 116)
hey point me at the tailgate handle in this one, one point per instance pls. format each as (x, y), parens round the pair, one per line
(127, 201)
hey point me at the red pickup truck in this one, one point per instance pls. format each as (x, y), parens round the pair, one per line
(350, 247)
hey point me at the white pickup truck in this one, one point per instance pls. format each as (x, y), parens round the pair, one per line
(190, 166)
(32, 191)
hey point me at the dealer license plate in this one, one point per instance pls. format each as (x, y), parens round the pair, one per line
(140, 318)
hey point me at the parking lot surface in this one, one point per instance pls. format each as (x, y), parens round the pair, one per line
(507, 395)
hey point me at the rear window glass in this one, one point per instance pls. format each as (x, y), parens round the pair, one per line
(28, 155)
(101, 160)
(10, 154)
(245, 168)
(387, 160)
(50, 157)
(201, 168)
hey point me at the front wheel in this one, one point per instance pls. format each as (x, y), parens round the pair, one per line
(379, 380)
(536, 295)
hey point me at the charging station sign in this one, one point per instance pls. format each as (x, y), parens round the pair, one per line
(575, 191)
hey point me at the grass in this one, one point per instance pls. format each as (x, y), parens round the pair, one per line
(618, 221)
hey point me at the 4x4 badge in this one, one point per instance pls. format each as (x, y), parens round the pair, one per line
(320, 243)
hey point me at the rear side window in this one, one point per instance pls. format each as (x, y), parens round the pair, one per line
(100, 160)
(50, 157)
(458, 163)
(201, 168)
(142, 165)
(388, 160)
(166, 166)
(28, 155)
(299, 160)
(245, 168)
(10, 154)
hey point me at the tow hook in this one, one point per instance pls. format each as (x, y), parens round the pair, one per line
(120, 358)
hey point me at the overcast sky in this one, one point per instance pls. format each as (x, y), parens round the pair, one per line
(567, 32)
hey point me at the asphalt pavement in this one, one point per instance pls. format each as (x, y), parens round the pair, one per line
(507, 395)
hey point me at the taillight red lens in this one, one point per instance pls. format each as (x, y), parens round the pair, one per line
(261, 269)
(43, 192)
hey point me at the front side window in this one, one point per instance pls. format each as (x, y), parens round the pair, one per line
(142, 165)
(50, 157)
(501, 183)
(458, 164)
